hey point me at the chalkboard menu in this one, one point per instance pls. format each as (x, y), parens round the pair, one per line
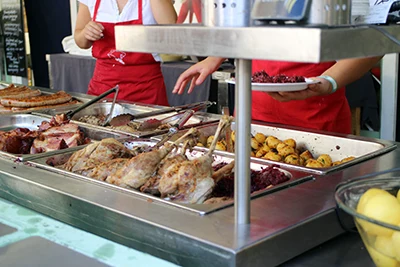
(14, 37)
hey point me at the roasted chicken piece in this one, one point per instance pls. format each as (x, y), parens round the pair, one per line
(84, 160)
(151, 185)
(191, 181)
(105, 169)
(139, 169)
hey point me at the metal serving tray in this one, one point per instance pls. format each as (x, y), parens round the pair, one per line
(296, 178)
(32, 121)
(335, 145)
(82, 98)
(103, 108)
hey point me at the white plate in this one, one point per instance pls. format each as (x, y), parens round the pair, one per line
(278, 87)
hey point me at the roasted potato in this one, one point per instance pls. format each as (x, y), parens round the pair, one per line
(262, 151)
(313, 163)
(233, 136)
(325, 159)
(306, 155)
(273, 156)
(220, 146)
(200, 144)
(347, 159)
(290, 142)
(336, 163)
(293, 159)
(272, 141)
(260, 137)
(285, 150)
(255, 144)
(280, 146)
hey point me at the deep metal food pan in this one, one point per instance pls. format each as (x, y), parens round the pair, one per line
(199, 118)
(82, 98)
(337, 146)
(296, 177)
(31, 122)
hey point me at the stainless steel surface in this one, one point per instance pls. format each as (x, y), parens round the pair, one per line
(242, 141)
(336, 145)
(199, 118)
(72, 112)
(220, 13)
(32, 121)
(272, 42)
(389, 93)
(296, 178)
(310, 12)
(330, 12)
(283, 224)
(109, 116)
(83, 98)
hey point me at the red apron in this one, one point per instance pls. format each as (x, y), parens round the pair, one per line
(138, 75)
(328, 113)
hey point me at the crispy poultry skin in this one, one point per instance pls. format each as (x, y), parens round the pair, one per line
(191, 181)
(151, 185)
(139, 169)
(102, 171)
(95, 154)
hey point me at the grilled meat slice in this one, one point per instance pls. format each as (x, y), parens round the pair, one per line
(58, 137)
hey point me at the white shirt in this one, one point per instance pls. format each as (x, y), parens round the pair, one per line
(108, 11)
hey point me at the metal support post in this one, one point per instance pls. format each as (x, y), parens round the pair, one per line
(242, 141)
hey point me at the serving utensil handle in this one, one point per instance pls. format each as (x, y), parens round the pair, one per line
(71, 113)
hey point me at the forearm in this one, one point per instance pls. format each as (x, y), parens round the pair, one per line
(163, 11)
(81, 41)
(347, 71)
(215, 62)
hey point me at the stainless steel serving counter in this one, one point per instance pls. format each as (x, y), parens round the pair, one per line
(284, 224)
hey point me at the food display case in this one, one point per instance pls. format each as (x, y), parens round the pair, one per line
(283, 221)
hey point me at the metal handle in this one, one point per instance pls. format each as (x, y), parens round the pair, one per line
(170, 109)
(71, 113)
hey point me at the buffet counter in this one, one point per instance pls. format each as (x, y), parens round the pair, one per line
(287, 219)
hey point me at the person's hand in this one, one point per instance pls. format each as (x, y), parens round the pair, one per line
(324, 87)
(196, 74)
(93, 31)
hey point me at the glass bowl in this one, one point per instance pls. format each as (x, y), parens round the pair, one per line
(382, 239)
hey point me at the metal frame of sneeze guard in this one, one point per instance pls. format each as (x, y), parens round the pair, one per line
(222, 13)
(217, 13)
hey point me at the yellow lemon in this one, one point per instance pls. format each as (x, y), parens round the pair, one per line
(398, 195)
(381, 207)
(381, 260)
(396, 244)
(384, 245)
(367, 196)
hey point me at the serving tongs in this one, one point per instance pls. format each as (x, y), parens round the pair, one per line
(185, 116)
(115, 90)
(154, 123)
(124, 119)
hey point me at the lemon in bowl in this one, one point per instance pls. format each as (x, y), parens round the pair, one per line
(375, 207)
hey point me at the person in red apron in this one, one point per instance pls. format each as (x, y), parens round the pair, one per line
(138, 75)
(189, 7)
(321, 106)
